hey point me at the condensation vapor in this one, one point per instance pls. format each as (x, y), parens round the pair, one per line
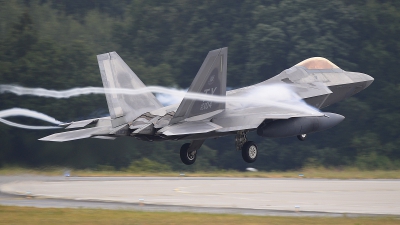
(27, 113)
(279, 95)
(167, 99)
(267, 95)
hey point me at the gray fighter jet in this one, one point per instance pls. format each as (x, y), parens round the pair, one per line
(317, 81)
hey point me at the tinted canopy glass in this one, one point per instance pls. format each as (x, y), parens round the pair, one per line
(317, 63)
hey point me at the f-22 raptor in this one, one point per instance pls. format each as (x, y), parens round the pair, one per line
(317, 81)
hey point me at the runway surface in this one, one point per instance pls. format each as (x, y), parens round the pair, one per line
(258, 196)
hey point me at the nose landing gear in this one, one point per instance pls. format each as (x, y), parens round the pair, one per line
(302, 137)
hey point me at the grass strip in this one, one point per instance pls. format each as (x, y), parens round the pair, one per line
(43, 216)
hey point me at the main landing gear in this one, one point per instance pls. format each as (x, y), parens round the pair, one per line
(188, 151)
(248, 148)
(187, 157)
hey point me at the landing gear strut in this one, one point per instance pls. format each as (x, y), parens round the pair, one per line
(248, 148)
(240, 139)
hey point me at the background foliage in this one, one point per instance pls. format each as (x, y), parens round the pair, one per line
(53, 44)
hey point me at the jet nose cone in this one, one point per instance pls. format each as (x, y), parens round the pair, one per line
(333, 116)
(368, 80)
(331, 120)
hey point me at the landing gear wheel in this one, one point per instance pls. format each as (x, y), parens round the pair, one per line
(302, 137)
(249, 152)
(187, 158)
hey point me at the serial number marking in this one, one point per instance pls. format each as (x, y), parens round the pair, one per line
(207, 105)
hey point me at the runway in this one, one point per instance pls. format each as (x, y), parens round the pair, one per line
(257, 196)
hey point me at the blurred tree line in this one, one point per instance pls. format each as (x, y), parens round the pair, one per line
(53, 44)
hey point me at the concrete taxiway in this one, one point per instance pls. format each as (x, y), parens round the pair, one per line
(259, 196)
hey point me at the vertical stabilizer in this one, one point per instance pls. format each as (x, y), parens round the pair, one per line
(115, 73)
(210, 80)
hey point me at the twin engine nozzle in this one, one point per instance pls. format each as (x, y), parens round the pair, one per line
(299, 125)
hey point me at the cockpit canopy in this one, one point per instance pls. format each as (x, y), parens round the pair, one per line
(317, 63)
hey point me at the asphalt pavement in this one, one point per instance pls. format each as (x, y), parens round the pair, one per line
(252, 196)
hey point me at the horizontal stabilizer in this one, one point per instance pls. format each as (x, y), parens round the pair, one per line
(194, 127)
(77, 134)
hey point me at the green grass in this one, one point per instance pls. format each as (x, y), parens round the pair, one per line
(348, 173)
(43, 216)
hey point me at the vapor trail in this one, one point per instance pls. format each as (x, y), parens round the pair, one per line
(97, 90)
(27, 113)
(167, 99)
(249, 99)
(88, 90)
(27, 126)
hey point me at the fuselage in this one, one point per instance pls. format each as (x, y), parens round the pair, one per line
(317, 81)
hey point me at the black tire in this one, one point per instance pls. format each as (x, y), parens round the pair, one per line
(302, 137)
(249, 152)
(186, 157)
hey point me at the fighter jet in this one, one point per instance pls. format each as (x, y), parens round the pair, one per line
(317, 81)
